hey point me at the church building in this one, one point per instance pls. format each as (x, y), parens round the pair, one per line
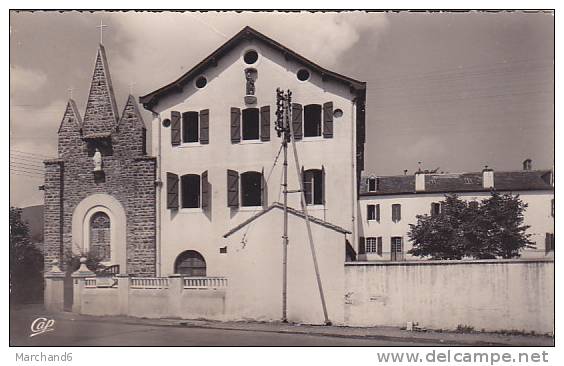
(100, 191)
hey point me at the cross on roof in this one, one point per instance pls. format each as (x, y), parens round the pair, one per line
(131, 87)
(70, 92)
(101, 27)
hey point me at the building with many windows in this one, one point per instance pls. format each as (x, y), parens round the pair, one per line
(388, 204)
(219, 157)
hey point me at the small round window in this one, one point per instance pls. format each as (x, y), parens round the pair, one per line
(250, 57)
(166, 122)
(303, 74)
(338, 113)
(201, 82)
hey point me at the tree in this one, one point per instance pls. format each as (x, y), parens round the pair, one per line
(488, 229)
(26, 262)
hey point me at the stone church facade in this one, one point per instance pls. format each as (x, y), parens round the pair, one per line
(100, 191)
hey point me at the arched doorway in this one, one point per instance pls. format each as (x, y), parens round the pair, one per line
(100, 239)
(191, 264)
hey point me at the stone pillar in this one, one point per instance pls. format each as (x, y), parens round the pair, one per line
(78, 279)
(123, 293)
(175, 288)
(54, 298)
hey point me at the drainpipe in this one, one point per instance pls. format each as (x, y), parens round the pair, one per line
(353, 172)
(159, 185)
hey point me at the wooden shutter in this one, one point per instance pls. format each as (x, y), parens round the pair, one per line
(235, 125)
(361, 245)
(378, 212)
(205, 191)
(175, 128)
(323, 185)
(232, 188)
(328, 120)
(205, 126)
(399, 212)
(265, 123)
(297, 120)
(171, 191)
(379, 246)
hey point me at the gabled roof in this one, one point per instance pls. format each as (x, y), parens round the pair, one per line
(246, 33)
(292, 211)
(131, 108)
(522, 180)
(71, 116)
(101, 114)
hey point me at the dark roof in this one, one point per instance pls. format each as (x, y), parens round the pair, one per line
(292, 211)
(523, 180)
(245, 34)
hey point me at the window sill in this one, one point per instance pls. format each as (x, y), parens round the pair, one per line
(315, 207)
(312, 138)
(251, 142)
(190, 144)
(250, 208)
(190, 210)
(373, 220)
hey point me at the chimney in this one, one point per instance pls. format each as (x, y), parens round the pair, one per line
(419, 181)
(527, 164)
(487, 178)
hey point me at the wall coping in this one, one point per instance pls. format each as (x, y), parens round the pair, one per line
(448, 262)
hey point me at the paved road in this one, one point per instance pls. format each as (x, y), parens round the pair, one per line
(82, 332)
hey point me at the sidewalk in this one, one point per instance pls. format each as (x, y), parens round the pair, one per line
(380, 333)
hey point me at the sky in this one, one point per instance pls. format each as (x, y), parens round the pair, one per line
(454, 91)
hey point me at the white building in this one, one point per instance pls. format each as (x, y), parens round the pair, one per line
(214, 139)
(388, 204)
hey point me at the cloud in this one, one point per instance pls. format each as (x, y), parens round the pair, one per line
(24, 80)
(174, 42)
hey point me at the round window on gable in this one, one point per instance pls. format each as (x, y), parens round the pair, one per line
(166, 122)
(303, 75)
(201, 82)
(337, 113)
(250, 57)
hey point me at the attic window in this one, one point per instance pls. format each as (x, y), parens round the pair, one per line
(303, 75)
(251, 56)
(467, 180)
(201, 82)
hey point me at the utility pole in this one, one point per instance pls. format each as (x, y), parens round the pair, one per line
(284, 126)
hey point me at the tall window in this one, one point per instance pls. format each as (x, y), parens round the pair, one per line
(251, 189)
(397, 248)
(374, 245)
(396, 212)
(313, 186)
(251, 124)
(312, 120)
(190, 127)
(190, 191)
(190, 263)
(100, 236)
(372, 184)
(435, 208)
(373, 212)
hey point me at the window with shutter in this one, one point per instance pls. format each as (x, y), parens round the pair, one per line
(190, 190)
(312, 120)
(361, 245)
(175, 137)
(371, 212)
(172, 191)
(251, 124)
(371, 245)
(232, 188)
(328, 120)
(190, 130)
(206, 191)
(205, 126)
(397, 248)
(396, 212)
(297, 120)
(265, 123)
(313, 186)
(235, 125)
(251, 189)
(379, 249)
(378, 212)
(371, 184)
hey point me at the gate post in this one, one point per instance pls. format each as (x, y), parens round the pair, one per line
(175, 288)
(123, 284)
(54, 298)
(78, 279)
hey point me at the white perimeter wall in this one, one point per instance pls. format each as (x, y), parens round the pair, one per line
(490, 295)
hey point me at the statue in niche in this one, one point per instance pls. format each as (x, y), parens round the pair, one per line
(250, 76)
(97, 158)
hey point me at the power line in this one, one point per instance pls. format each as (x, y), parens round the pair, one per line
(31, 154)
(27, 166)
